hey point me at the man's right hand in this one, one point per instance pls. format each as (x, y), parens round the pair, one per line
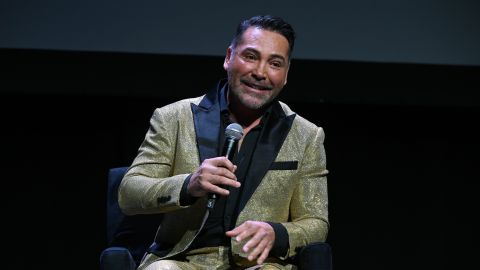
(211, 176)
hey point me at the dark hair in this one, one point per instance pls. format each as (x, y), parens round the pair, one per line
(266, 22)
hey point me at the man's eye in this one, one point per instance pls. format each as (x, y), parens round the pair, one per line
(276, 64)
(250, 56)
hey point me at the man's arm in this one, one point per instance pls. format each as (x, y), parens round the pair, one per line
(162, 179)
(309, 205)
(149, 186)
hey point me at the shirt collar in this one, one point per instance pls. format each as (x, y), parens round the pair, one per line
(223, 99)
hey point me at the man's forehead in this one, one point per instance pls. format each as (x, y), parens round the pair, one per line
(254, 33)
(255, 37)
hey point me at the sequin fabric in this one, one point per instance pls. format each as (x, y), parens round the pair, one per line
(296, 198)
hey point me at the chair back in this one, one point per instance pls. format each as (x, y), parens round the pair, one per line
(137, 232)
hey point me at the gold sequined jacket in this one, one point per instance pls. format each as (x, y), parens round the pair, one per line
(289, 174)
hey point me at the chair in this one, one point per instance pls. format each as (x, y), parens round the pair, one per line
(129, 236)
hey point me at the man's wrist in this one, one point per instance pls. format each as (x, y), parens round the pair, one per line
(185, 198)
(281, 244)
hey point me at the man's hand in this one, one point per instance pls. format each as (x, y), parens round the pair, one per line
(262, 237)
(211, 175)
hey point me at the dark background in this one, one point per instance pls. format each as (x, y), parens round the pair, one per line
(401, 140)
(393, 83)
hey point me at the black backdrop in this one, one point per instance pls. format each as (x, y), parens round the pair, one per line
(401, 142)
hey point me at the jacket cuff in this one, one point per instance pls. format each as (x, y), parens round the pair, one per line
(281, 244)
(185, 198)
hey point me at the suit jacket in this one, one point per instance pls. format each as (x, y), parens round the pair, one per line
(288, 174)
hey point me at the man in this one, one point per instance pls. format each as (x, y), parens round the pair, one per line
(272, 197)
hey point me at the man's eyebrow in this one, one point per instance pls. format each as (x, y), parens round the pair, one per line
(275, 56)
(251, 50)
(272, 56)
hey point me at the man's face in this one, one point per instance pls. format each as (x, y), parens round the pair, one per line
(257, 68)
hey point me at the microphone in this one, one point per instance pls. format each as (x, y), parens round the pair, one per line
(233, 133)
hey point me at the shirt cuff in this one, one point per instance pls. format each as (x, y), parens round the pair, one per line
(281, 244)
(185, 198)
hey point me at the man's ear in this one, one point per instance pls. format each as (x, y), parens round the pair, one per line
(227, 58)
(286, 75)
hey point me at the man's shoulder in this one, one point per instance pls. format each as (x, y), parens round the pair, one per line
(183, 104)
(299, 120)
(187, 101)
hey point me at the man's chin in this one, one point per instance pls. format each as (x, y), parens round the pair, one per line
(254, 103)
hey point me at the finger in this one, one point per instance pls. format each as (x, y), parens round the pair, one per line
(264, 255)
(216, 175)
(231, 233)
(257, 250)
(255, 241)
(212, 188)
(221, 171)
(223, 181)
(236, 231)
(222, 162)
(246, 233)
(220, 182)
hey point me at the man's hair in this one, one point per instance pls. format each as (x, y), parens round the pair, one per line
(266, 22)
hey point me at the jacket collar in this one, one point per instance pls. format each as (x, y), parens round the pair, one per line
(206, 118)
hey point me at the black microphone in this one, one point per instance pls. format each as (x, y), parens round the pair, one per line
(233, 133)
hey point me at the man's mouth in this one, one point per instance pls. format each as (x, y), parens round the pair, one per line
(256, 86)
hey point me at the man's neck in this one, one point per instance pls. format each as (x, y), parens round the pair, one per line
(247, 121)
(247, 118)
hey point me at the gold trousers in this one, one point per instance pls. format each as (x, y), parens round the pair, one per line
(212, 258)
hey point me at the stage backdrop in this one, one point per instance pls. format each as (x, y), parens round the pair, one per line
(420, 31)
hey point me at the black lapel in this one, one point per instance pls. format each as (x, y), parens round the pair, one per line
(273, 135)
(206, 117)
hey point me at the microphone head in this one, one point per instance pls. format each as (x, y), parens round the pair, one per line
(234, 131)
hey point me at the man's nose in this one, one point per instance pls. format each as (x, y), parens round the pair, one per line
(259, 72)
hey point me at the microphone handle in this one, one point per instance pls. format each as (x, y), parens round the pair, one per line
(228, 152)
(229, 148)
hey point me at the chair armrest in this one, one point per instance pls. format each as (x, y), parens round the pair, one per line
(316, 256)
(117, 258)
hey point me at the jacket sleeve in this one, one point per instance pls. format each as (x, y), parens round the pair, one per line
(149, 186)
(309, 205)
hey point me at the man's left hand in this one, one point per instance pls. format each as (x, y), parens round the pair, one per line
(262, 237)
